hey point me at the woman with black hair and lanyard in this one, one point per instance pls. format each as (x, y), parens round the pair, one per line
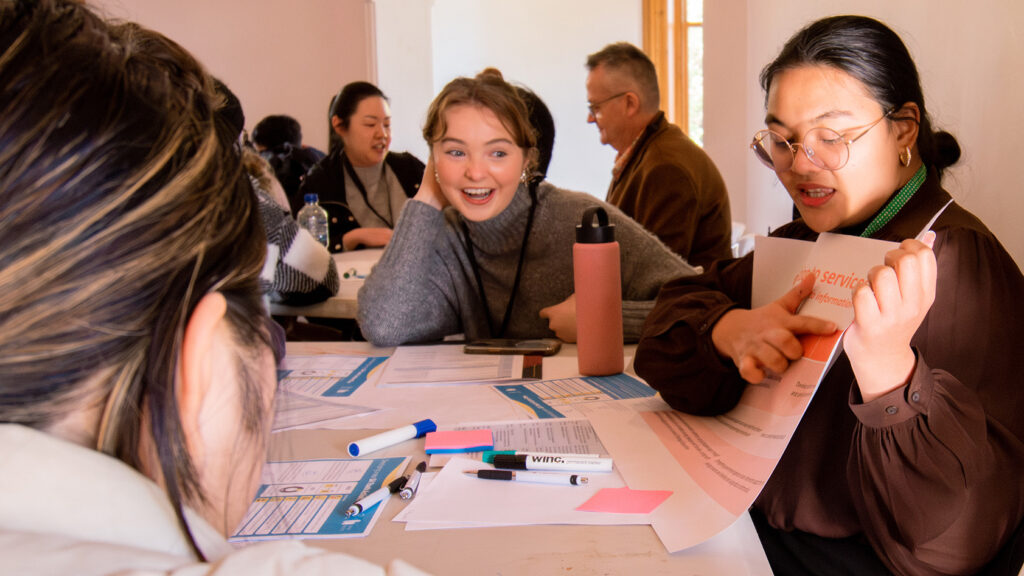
(362, 184)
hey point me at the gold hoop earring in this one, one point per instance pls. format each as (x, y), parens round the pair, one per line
(905, 160)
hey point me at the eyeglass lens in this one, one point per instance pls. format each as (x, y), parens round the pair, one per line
(824, 147)
(595, 108)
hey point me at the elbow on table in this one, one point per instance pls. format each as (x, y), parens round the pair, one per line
(377, 333)
(704, 393)
(698, 404)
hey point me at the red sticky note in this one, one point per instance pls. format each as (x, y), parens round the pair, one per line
(625, 501)
(452, 441)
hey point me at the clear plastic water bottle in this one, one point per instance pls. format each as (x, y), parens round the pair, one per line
(314, 218)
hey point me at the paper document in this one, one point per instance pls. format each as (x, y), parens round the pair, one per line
(723, 462)
(561, 436)
(543, 399)
(454, 499)
(448, 364)
(569, 436)
(293, 411)
(356, 264)
(308, 499)
(353, 268)
(328, 375)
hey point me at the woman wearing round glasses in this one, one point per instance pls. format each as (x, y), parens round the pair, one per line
(909, 457)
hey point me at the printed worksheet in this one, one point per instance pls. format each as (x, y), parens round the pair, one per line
(308, 498)
(327, 375)
(545, 398)
(294, 411)
(446, 364)
(567, 436)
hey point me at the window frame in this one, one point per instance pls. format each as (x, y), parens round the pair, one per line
(666, 42)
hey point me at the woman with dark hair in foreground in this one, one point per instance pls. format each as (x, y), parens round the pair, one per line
(137, 363)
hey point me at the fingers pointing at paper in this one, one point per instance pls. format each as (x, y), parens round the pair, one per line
(887, 313)
(766, 338)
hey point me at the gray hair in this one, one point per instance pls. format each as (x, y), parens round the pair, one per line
(629, 61)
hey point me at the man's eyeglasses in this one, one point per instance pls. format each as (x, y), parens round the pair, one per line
(824, 147)
(595, 107)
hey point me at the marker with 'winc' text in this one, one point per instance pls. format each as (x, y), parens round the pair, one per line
(552, 462)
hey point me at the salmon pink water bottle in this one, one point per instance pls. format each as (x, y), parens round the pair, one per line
(595, 261)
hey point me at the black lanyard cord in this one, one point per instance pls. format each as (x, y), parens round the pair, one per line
(519, 268)
(362, 189)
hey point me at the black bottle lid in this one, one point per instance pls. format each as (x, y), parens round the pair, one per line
(589, 232)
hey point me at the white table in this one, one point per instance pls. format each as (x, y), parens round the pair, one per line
(540, 549)
(352, 268)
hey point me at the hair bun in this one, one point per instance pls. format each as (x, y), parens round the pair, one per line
(490, 73)
(947, 149)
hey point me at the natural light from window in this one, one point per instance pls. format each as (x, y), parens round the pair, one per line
(674, 40)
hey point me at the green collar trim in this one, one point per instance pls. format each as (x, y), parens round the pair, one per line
(897, 202)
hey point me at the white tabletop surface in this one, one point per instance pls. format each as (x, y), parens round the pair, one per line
(539, 549)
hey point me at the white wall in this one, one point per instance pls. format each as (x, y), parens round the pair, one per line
(728, 85)
(277, 57)
(541, 44)
(405, 68)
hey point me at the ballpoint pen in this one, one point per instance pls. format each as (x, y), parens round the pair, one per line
(409, 490)
(537, 477)
(375, 497)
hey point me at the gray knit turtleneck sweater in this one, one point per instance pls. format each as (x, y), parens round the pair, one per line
(424, 289)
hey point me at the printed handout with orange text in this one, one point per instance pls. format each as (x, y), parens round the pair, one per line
(724, 461)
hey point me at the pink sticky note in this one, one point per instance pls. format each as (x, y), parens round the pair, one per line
(625, 501)
(451, 441)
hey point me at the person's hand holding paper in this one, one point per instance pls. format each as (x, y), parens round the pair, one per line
(887, 313)
(766, 338)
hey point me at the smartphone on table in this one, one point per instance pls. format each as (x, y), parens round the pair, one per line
(534, 346)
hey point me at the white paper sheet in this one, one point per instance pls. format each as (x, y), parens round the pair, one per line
(295, 411)
(353, 268)
(454, 498)
(448, 364)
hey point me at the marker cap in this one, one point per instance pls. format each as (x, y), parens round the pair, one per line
(510, 461)
(424, 426)
(488, 455)
(397, 484)
(495, 474)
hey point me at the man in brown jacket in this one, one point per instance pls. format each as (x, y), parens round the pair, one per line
(661, 178)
